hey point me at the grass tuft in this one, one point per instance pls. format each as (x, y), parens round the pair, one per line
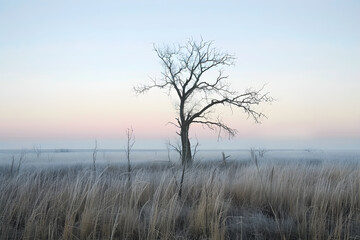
(232, 201)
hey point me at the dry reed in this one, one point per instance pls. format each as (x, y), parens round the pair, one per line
(311, 201)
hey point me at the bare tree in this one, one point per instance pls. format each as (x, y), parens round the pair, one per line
(184, 68)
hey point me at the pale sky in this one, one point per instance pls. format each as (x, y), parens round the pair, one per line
(67, 69)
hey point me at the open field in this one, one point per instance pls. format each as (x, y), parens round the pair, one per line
(300, 198)
(69, 157)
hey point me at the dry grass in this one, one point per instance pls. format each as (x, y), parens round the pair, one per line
(310, 200)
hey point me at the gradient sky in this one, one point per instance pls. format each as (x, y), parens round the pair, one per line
(67, 69)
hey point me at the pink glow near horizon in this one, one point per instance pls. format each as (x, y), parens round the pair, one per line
(66, 76)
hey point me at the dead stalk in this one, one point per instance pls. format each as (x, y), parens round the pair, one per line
(129, 145)
(255, 159)
(94, 156)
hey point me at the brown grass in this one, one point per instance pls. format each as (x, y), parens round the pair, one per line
(311, 201)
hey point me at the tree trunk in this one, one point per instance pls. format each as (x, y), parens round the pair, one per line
(186, 157)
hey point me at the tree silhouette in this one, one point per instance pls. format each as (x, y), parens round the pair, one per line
(184, 68)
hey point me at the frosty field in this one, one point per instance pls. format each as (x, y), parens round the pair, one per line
(68, 157)
(281, 195)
